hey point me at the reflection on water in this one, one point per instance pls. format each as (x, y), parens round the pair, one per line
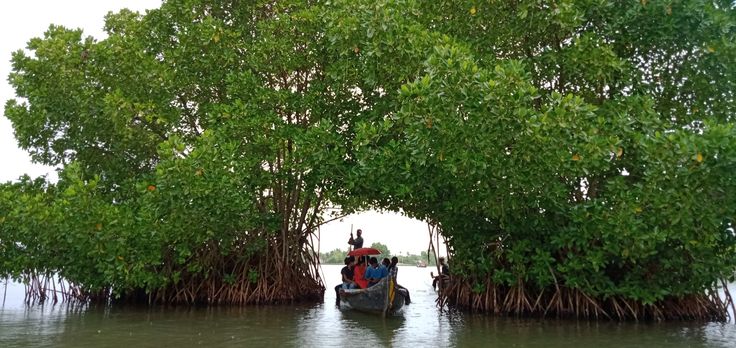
(420, 324)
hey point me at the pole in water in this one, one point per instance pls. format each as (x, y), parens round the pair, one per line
(390, 293)
(350, 248)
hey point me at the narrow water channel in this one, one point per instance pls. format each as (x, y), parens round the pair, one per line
(420, 324)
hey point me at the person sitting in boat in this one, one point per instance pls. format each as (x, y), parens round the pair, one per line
(357, 243)
(393, 270)
(392, 265)
(348, 281)
(375, 272)
(359, 273)
(444, 273)
(386, 262)
(347, 278)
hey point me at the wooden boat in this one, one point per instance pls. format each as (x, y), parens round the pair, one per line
(384, 297)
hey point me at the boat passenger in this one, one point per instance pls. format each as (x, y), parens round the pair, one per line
(386, 262)
(359, 273)
(392, 265)
(375, 272)
(393, 270)
(347, 278)
(348, 274)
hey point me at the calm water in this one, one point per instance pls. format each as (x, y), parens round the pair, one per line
(420, 324)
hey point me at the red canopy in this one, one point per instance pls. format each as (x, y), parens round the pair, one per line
(364, 251)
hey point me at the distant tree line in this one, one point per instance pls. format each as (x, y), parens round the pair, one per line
(337, 256)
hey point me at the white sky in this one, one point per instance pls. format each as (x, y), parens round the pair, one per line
(23, 19)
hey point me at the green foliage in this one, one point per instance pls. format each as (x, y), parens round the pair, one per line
(413, 259)
(583, 143)
(192, 154)
(383, 248)
(580, 143)
(336, 256)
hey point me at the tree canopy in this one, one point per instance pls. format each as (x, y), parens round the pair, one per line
(577, 145)
(568, 150)
(385, 252)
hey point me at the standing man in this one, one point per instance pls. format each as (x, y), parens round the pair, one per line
(444, 274)
(357, 243)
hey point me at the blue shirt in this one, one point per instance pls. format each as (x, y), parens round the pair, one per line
(383, 271)
(378, 273)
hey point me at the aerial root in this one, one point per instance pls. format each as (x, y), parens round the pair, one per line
(259, 279)
(521, 299)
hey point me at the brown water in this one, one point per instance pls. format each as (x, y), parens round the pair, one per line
(420, 324)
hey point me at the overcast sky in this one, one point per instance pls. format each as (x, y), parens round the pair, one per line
(22, 20)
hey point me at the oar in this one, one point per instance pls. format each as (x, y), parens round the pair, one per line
(350, 248)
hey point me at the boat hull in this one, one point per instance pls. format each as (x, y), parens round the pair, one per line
(373, 299)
